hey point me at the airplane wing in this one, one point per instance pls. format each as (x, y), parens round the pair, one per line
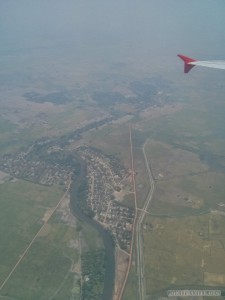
(189, 63)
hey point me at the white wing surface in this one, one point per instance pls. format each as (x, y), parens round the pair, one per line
(216, 64)
(189, 63)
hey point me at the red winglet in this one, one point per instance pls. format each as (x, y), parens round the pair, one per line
(187, 60)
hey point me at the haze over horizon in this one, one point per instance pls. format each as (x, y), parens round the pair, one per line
(137, 28)
(94, 102)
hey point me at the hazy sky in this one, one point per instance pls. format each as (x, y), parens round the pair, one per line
(29, 22)
(117, 29)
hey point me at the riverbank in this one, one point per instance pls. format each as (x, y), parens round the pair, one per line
(107, 239)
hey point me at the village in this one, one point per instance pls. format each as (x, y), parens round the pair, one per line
(107, 181)
(37, 171)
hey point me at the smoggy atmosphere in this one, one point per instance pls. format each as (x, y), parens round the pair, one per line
(112, 162)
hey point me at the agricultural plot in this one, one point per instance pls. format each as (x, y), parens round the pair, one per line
(184, 184)
(187, 252)
(7, 133)
(131, 290)
(182, 248)
(50, 269)
(184, 230)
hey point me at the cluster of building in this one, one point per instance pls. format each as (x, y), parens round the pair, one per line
(37, 171)
(106, 177)
(46, 163)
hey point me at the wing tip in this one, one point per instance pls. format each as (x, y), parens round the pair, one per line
(186, 60)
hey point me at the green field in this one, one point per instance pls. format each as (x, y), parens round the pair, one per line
(187, 252)
(184, 185)
(185, 150)
(50, 269)
(186, 154)
(47, 268)
(7, 133)
(22, 206)
(6, 126)
(131, 290)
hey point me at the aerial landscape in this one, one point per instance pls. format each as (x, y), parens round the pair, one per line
(112, 159)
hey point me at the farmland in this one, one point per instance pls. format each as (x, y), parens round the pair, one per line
(193, 255)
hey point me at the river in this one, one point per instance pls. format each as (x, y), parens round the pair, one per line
(107, 239)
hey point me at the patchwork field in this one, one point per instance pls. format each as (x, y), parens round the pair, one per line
(187, 252)
(184, 184)
(183, 119)
(51, 267)
(182, 248)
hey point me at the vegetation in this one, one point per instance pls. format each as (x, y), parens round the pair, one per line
(197, 129)
(193, 254)
(82, 196)
(185, 186)
(46, 269)
(131, 290)
(108, 98)
(56, 98)
(23, 205)
(93, 271)
(6, 127)
(61, 158)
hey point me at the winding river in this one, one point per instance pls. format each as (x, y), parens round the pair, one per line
(107, 239)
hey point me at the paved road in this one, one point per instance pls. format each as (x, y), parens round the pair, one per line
(140, 262)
